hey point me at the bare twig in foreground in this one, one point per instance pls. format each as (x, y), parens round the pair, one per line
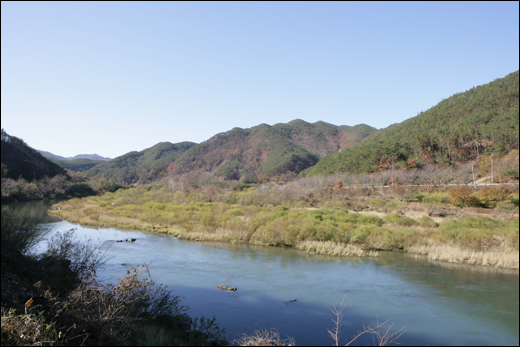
(380, 339)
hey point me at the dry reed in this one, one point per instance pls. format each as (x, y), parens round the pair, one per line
(334, 248)
(453, 254)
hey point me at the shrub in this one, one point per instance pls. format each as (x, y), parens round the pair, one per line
(110, 186)
(461, 196)
(396, 219)
(511, 233)
(489, 196)
(235, 212)
(384, 238)
(438, 197)
(514, 199)
(368, 219)
(506, 205)
(359, 235)
(395, 206)
(112, 314)
(85, 257)
(20, 232)
(427, 222)
(377, 203)
(209, 221)
(469, 232)
(302, 204)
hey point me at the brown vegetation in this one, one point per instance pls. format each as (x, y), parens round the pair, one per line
(338, 219)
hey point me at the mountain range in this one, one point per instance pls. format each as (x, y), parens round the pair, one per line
(481, 120)
(79, 156)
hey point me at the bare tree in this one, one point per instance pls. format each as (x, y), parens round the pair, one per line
(380, 338)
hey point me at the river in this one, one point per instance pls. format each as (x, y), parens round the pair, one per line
(439, 303)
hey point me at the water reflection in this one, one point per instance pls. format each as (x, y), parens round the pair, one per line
(34, 209)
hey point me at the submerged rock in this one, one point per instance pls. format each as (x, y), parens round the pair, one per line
(224, 287)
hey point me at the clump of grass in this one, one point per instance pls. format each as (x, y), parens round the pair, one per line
(264, 338)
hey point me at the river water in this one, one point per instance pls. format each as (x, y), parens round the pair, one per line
(439, 303)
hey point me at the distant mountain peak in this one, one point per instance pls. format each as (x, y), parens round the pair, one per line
(79, 156)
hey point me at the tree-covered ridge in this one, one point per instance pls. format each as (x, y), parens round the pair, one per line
(265, 151)
(19, 159)
(143, 166)
(79, 165)
(482, 120)
(322, 138)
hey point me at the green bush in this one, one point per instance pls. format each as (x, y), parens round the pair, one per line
(470, 232)
(511, 233)
(209, 221)
(302, 204)
(427, 222)
(438, 197)
(373, 220)
(260, 219)
(235, 212)
(506, 205)
(395, 206)
(385, 238)
(360, 234)
(377, 203)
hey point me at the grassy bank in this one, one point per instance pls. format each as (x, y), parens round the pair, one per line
(339, 225)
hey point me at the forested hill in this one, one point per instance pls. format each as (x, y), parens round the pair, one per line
(78, 165)
(18, 159)
(478, 121)
(145, 166)
(264, 152)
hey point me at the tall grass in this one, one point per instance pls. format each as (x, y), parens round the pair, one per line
(334, 248)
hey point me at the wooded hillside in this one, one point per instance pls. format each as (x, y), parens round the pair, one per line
(264, 152)
(481, 120)
(144, 166)
(18, 159)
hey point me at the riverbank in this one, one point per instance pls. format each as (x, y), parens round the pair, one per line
(441, 231)
(54, 298)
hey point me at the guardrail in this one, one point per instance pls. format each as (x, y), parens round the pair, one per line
(432, 185)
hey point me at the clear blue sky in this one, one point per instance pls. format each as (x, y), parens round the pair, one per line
(114, 77)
